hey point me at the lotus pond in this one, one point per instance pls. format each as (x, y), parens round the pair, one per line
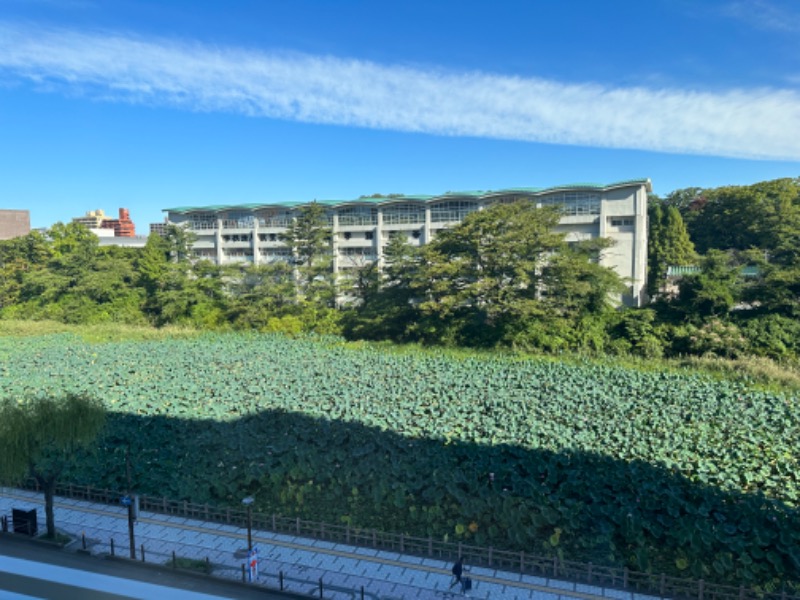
(664, 471)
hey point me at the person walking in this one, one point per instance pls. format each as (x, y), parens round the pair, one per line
(458, 570)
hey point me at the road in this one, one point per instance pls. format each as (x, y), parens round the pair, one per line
(30, 570)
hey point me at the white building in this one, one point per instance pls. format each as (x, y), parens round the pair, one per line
(361, 228)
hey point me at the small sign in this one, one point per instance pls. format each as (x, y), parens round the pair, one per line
(126, 501)
(252, 562)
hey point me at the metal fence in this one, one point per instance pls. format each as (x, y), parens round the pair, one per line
(514, 561)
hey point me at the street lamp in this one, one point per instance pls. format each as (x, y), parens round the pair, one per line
(248, 502)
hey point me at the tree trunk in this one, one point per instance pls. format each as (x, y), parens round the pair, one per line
(49, 488)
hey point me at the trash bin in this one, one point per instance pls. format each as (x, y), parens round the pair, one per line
(24, 521)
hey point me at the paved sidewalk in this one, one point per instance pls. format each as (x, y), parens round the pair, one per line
(304, 562)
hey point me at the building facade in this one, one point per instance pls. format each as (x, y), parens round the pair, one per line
(14, 223)
(361, 228)
(103, 225)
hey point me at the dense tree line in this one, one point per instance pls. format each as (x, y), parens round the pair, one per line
(501, 278)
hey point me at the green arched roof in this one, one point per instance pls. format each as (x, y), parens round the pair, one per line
(377, 200)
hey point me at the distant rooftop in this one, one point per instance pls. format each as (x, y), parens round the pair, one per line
(391, 198)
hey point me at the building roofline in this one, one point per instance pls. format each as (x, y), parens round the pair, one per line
(419, 198)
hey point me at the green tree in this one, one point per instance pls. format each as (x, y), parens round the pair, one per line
(678, 249)
(577, 285)
(257, 293)
(179, 240)
(744, 217)
(18, 258)
(309, 237)
(384, 309)
(491, 262)
(656, 265)
(40, 436)
(668, 244)
(714, 290)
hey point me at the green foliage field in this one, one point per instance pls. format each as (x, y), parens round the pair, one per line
(673, 472)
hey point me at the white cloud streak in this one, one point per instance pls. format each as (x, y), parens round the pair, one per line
(759, 123)
(764, 15)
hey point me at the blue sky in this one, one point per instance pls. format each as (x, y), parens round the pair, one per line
(149, 105)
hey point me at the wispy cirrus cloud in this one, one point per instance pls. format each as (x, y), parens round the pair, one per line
(764, 14)
(759, 123)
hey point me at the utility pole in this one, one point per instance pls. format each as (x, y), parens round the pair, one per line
(129, 502)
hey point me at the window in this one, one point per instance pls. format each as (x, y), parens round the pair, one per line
(625, 222)
(274, 218)
(416, 233)
(276, 254)
(368, 235)
(451, 210)
(403, 214)
(238, 220)
(507, 199)
(347, 235)
(574, 203)
(203, 221)
(358, 215)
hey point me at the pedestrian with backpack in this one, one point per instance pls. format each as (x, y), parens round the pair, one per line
(458, 570)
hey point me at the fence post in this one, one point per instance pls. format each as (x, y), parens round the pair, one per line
(460, 553)
(83, 540)
(174, 560)
(741, 592)
(185, 508)
(625, 578)
(589, 574)
(362, 592)
(522, 561)
(555, 566)
(374, 539)
(206, 511)
(142, 552)
(274, 525)
(663, 587)
(280, 579)
(700, 586)
(347, 533)
(320, 587)
(322, 531)
(164, 504)
(112, 546)
(402, 544)
(208, 565)
(430, 546)
(490, 556)
(244, 579)
(297, 525)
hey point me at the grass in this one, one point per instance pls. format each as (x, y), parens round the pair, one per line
(190, 564)
(99, 333)
(62, 539)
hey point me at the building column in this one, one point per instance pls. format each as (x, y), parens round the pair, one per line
(335, 241)
(218, 241)
(378, 239)
(255, 243)
(426, 229)
(639, 246)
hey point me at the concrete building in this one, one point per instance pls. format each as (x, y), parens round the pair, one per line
(101, 224)
(14, 223)
(361, 228)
